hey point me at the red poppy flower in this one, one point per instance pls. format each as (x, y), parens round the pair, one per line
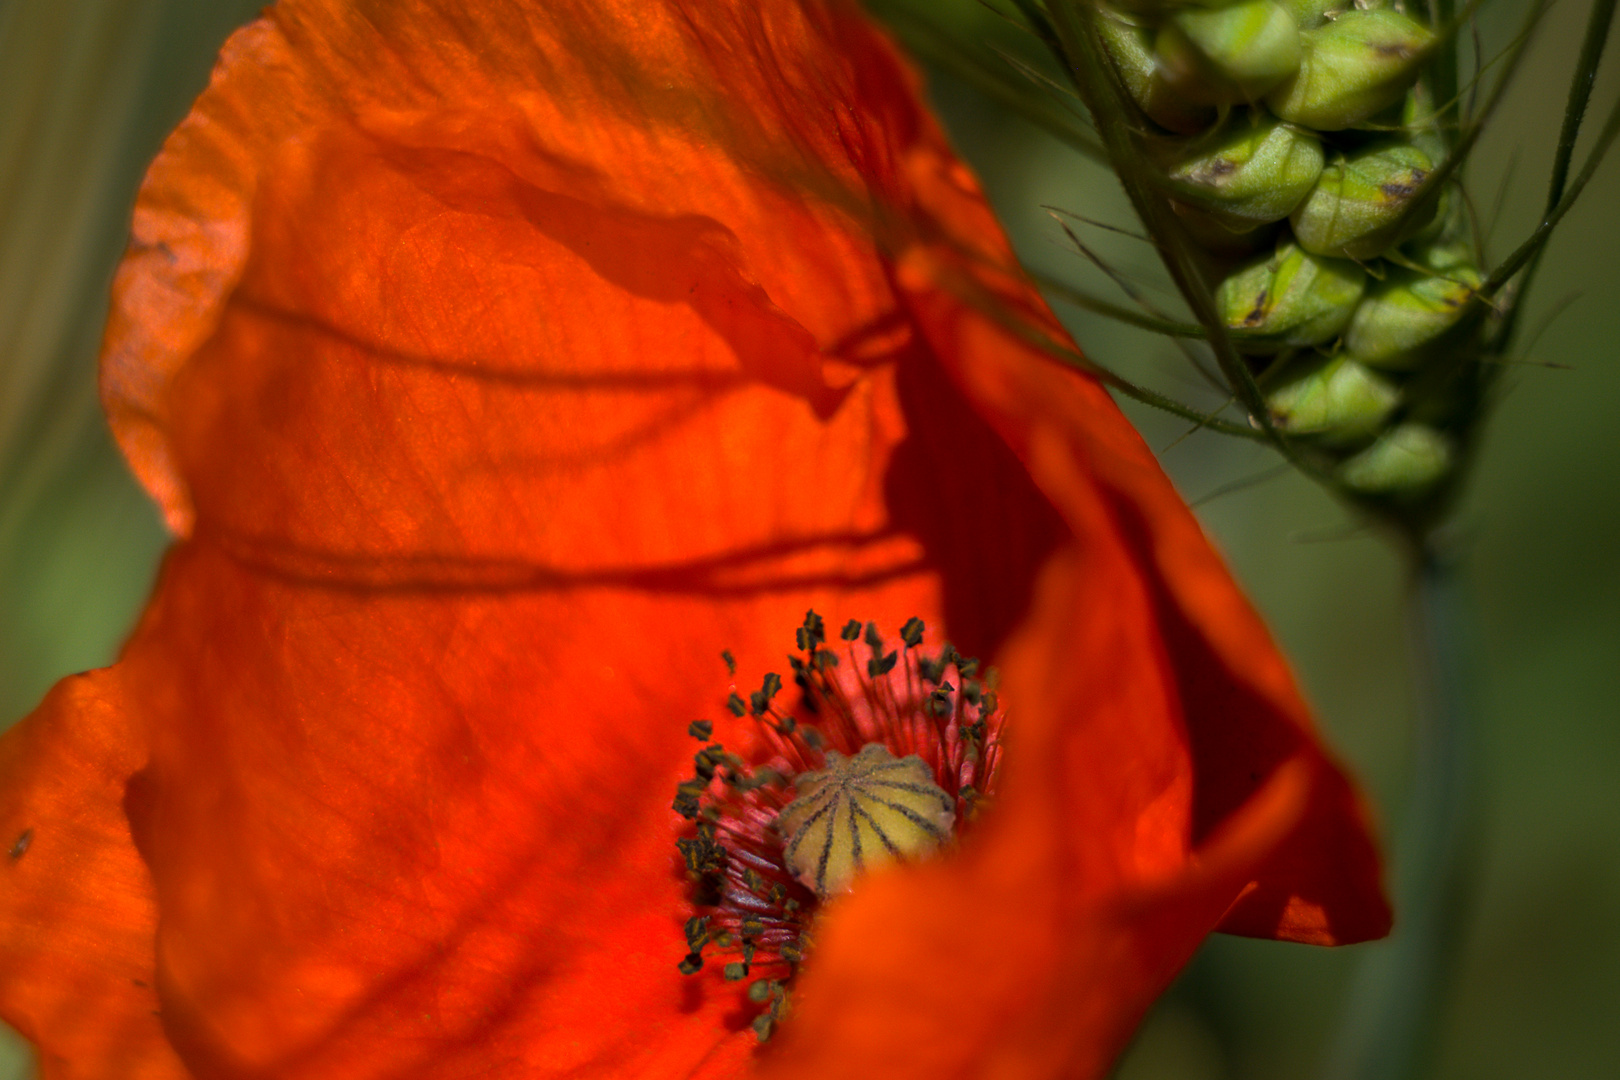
(497, 365)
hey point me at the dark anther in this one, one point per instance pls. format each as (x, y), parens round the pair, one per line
(697, 932)
(708, 759)
(752, 928)
(882, 665)
(813, 632)
(792, 952)
(968, 666)
(801, 673)
(760, 991)
(20, 848)
(737, 705)
(851, 630)
(731, 661)
(687, 795)
(825, 658)
(763, 1026)
(735, 971)
(873, 638)
(701, 730)
(760, 699)
(691, 853)
(970, 690)
(701, 854)
(787, 725)
(912, 632)
(691, 965)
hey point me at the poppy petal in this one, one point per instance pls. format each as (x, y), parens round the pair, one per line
(702, 130)
(76, 970)
(427, 497)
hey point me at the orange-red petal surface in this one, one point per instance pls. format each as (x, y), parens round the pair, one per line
(76, 901)
(499, 364)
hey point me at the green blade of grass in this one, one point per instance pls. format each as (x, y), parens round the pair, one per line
(1529, 254)
(1068, 294)
(1531, 248)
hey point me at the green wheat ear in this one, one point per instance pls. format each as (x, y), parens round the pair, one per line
(1296, 164)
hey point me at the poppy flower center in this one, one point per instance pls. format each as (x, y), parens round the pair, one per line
(872, 763)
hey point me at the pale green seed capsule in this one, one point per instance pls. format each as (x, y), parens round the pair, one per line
(1406, 313)
(1333, 399)
(1359, 207)
(1352, 67)
(859, 813)
(1229, 55)
(1130, 47)
(1252, 174)
(1310, 14)
(1406, 461)
(1446, 207)
(1453, 257)
(1291, 299)
(1420, 125)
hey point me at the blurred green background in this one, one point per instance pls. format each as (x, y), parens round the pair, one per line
(88, 88)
